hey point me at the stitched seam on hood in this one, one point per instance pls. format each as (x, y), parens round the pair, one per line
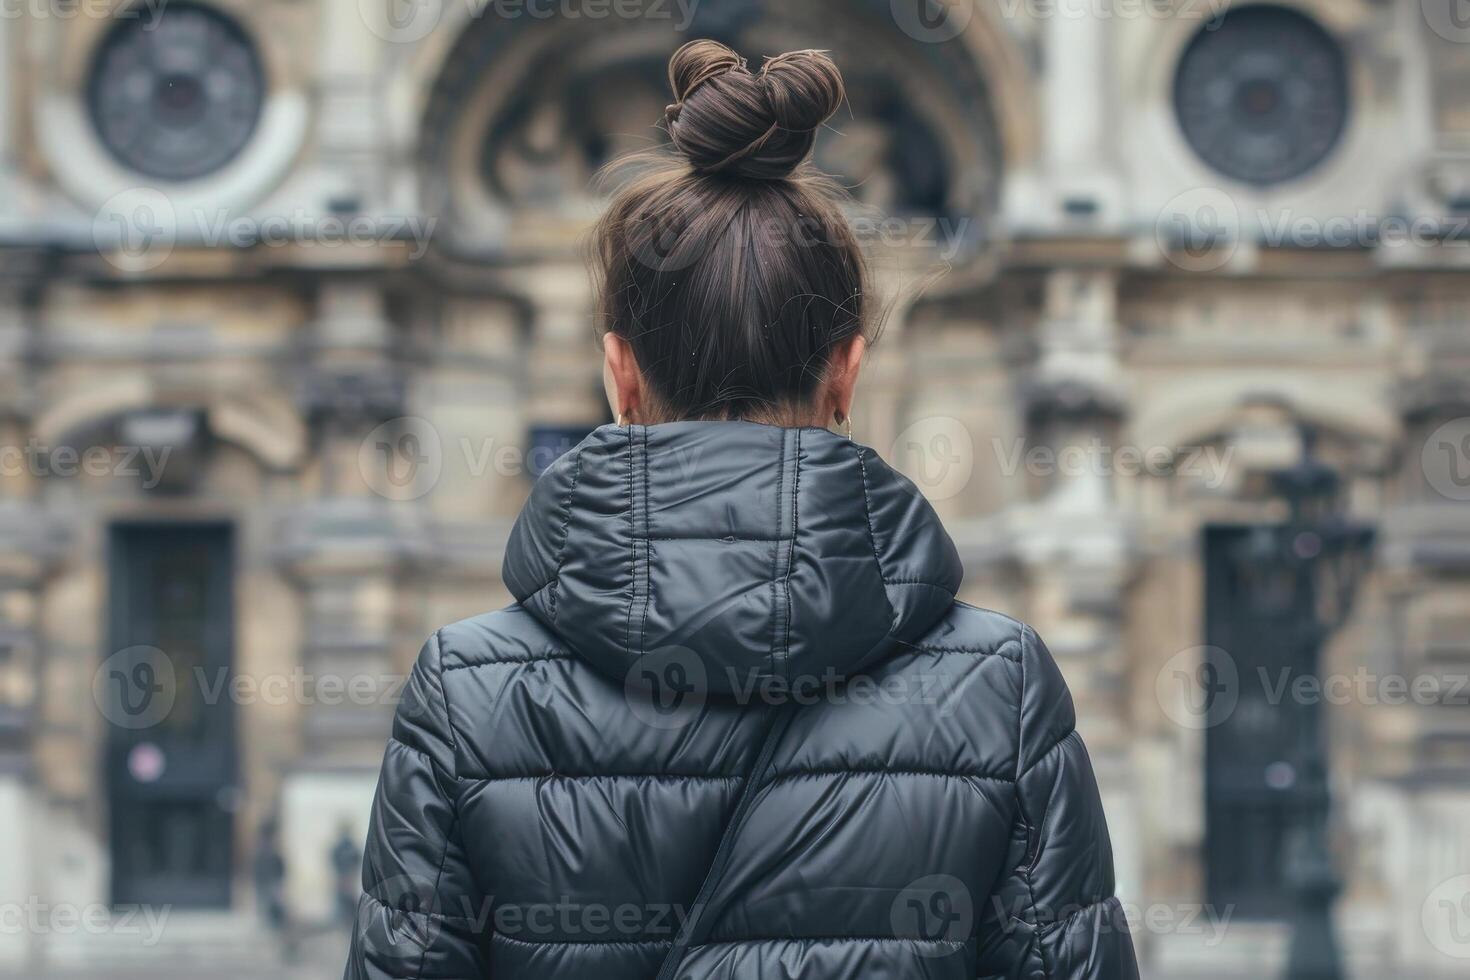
(632, 553)
(647, 553)
(873, 539)
(791, 549)
(566, 527)
(776, 559)
(781, 653)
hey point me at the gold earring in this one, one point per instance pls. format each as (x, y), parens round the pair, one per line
(622, 421)
(845, 420)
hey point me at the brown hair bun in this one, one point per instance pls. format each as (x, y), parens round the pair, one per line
(729, 121)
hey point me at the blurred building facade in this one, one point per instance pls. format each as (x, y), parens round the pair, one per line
(292, 308)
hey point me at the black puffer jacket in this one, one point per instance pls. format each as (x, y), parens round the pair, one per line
(737, 726)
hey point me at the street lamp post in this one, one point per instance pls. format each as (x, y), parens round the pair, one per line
(1320, 556)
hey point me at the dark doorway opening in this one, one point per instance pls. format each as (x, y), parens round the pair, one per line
(1254, 728)
(170, 760)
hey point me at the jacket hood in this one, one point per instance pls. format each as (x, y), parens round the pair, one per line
(748, 553)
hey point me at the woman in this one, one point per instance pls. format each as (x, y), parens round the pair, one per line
(736, 724)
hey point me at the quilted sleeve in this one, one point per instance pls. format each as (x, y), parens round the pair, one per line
(1053, 915)
(421, 916)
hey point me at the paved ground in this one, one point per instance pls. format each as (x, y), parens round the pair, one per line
(192, 971)
(319, 957)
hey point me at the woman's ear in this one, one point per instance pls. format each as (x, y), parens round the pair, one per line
(621, 378)
(842, 376)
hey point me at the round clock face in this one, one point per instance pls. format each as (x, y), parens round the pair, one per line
(179, 98)
(1262, 94)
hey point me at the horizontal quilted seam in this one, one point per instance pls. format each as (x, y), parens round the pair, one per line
(509, 661)
(915, 581)
(719, 778)
(734, 941)
(967, 651)
(1056, 746)
(859, 771)
(418, 915)
(763, 940)
(394, 740)
(1052, 925)
(1049, 925)
(594, 777)
(1007, 648)
(728, 538)
(533, 943)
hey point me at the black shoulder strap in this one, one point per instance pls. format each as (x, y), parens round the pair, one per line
(775, 726)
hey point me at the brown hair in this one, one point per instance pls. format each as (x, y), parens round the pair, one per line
(732, 270)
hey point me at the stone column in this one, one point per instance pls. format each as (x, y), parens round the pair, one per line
(344, 552)
(1075, 99)
(1077, 169)
(29, 546)
(565, 369)
(1421, 751)
(350, 116)
(9, 71)
(1076, 545)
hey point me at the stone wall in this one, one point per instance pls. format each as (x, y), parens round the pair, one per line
(361, 318)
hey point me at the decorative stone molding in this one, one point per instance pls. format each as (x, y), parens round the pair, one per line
(526, 189)
(345, 557)
(31, 545)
